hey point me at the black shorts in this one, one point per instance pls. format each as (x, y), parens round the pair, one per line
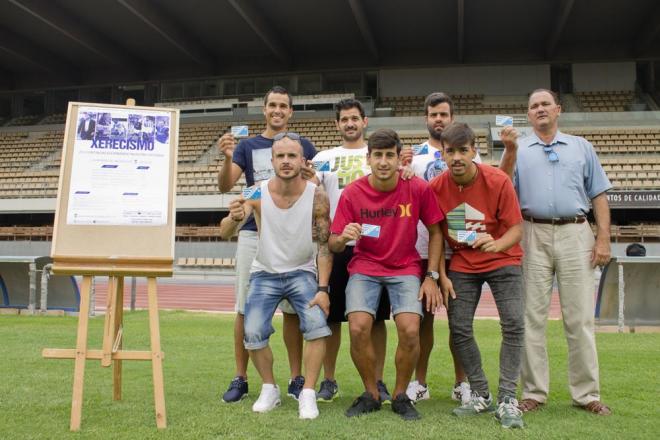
(338, 281)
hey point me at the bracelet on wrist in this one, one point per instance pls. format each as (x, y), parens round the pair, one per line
(324, 289)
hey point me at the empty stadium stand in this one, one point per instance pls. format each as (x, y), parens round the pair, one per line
(57, 118)
(463, 104)
(226, 105)
(24, 120)
(601, 101)
(206, 262)
(29, 161)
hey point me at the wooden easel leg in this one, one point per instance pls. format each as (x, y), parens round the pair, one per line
(81, 355)
(156, 360)
(118, 336)
(108, 324)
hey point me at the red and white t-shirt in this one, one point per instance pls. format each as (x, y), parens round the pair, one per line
(490, 205)
(397, 212)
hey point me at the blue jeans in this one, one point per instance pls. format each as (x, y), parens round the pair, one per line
(246, 250)
(363, 293)
(506, 285)
(266, 291)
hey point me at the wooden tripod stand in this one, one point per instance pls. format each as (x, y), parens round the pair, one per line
(111, 352)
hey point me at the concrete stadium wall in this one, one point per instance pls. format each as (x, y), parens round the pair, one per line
(488, 80)
(181, 249)
(604, 76)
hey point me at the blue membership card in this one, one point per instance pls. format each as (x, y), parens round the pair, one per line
(252, 193)
(321, 165)
(370, 230)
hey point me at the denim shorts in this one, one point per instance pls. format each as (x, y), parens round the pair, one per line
(338, 282)
(266, 291)
(363, 293)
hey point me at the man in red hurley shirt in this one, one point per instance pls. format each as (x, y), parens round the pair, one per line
(483, 227)
(381, 212)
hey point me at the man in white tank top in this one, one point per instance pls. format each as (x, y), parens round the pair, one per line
(251, 158)
(288, 213)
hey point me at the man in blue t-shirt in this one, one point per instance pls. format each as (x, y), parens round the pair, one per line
(252, 157)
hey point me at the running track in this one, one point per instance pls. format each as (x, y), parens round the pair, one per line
(212, 295)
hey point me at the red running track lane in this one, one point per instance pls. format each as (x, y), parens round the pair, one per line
(220, 298)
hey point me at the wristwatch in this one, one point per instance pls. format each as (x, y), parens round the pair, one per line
(325, 289)
(435, 276)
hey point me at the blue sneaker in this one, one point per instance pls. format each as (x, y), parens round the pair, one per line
(237, 391)
(385, 396)
(295, 386)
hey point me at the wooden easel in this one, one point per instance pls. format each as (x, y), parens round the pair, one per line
(111, 352)
(115, 250)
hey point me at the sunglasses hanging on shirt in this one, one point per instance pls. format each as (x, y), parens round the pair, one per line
(438, 163)
(552, 154)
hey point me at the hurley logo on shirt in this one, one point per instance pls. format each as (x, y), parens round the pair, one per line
(403, 210)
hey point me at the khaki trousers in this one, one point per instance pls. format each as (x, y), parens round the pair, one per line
(565, 251)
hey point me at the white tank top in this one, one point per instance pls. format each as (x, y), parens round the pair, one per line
(285, 235)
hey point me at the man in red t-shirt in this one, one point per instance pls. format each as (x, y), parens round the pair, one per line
(484, 228)
(381, 212)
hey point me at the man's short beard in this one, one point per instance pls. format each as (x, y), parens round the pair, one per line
(434, 134)
(346, 138)
(291, 177)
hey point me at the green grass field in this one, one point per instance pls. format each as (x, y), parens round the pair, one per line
(35, 393)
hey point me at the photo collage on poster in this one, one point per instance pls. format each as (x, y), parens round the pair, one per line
(120, 125)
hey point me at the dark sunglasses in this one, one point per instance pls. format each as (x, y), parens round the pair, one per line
(552, 154)
(289, 134)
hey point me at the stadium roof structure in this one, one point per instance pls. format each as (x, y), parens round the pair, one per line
(49, 43)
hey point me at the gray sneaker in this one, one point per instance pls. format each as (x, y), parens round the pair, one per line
(508, 413)
(328, 391)
(476, 405)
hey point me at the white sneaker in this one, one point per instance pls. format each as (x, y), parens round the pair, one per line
(268, 399)
(307, 408)
(461, 393)
(417, 391)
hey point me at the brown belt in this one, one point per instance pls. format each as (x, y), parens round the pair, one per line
(556, 220)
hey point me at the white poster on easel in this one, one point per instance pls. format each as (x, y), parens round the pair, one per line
(120, 167)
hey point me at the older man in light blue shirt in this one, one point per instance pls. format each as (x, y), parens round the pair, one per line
(556, 176)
